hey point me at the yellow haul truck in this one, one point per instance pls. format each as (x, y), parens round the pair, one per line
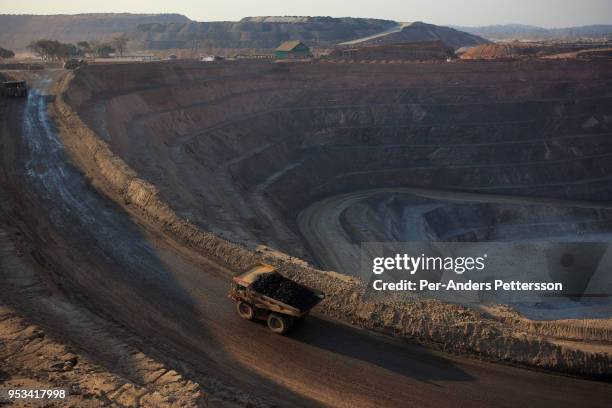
(15, 88)
(263, 293)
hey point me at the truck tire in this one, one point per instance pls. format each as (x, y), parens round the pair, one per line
(245, 310)
(279, 323)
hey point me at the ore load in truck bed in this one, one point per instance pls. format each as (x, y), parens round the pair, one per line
(285, 290)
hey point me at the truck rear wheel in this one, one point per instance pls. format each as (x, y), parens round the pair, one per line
(245, 310)
(279, 324)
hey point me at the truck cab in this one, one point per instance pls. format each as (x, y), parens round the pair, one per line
(74, 63)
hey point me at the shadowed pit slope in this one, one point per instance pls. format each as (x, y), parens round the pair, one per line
(240, 148)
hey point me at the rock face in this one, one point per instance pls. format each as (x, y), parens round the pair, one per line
(417, 51)
(17, 31)
(506, 222)
(240, 149)
(259, 32)
(419, 31)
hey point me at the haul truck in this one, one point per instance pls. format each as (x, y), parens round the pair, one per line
(262, 293)
(74, 63)
(15, 88)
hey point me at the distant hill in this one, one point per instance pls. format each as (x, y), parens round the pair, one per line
(17, 31)
(525, 32)
(169, 31)
(419, 31)
(259, 32)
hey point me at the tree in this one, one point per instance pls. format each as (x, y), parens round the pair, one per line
(42, 48)
(4, 53)
(120, 43)
(103, 50)
(66, 51)
(53, 50)
(93, 47)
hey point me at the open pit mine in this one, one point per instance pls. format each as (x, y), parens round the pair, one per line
(132, 194)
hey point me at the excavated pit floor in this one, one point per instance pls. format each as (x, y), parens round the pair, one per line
(336, 226)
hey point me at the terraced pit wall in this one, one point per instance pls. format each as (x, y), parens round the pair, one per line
(503, 222)
(220, 140)
(239, 149)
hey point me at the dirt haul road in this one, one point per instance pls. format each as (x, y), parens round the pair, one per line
(125, 270)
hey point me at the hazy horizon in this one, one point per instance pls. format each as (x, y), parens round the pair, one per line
(544, 13)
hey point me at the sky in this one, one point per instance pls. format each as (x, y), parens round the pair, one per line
(544, 13)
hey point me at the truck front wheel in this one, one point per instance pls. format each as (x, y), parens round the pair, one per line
(245, 310)
(279, 324)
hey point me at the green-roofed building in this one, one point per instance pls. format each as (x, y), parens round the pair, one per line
(292, 50)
